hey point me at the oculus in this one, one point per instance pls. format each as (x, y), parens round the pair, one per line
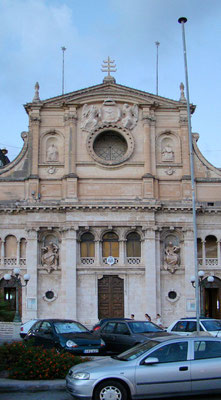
(110, 146)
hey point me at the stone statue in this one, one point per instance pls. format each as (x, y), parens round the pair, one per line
(130, 116)
(171, 257)
(90, 117)
(49, 257)
(52, 153)
(167, 153)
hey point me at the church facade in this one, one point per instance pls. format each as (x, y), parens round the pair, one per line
(97, 208)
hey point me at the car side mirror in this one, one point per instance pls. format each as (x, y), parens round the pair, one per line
(151, 360)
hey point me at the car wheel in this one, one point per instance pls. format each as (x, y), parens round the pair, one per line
(110, 390)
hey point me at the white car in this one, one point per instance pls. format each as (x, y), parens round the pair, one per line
(186, 326)
(26, 326)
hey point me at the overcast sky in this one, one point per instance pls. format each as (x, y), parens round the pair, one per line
(32, 33)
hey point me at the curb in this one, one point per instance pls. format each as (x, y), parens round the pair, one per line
(14, 385)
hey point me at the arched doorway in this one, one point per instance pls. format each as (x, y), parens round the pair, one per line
(212, 298)
(110, 297)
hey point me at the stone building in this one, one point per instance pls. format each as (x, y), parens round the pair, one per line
(97, 208)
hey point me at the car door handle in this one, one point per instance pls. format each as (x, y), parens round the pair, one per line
(183, 368)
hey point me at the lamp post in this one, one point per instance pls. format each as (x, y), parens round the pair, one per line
(182, 21)
(18, 284)
(210, 279)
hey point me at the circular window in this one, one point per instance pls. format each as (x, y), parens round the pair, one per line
(49, 294)
(172, 295)
(109, 146)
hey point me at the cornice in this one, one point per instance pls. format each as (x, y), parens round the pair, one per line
(18, 207)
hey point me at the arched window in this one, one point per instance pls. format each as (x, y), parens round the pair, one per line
(211, 246)
(199, 249)
(10, 250)
(133, 245)
(110, 245)
(87, 245)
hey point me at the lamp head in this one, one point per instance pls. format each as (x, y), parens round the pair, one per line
(210, 279)
(192, 279)
(201, 274)
(7, 277)
(17, 271)
(27, 278)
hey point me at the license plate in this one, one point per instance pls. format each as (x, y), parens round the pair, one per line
(91, 351)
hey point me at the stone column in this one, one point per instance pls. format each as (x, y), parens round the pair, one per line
(188, 292)
(218, 252)
(35, 132)
(150, 305)
(70, 119)
(97, 252)
(68, 263)
(31, 290)
(2, 252)
(18, 252)
(204, 253)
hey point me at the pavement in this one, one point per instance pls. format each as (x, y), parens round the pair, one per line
(14, 385)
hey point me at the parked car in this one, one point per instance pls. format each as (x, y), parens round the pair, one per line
(98, 326)
(186, 326)
(26, 326)
(171, 366)
(121, 335)
(65, 335)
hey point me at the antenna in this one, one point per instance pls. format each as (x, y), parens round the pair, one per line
(63, 50)
(157, 45)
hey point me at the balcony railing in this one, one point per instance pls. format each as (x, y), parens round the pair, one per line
(133, 260)
(87, 260)
(209, 262)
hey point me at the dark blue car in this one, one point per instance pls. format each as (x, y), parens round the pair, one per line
(65, 335)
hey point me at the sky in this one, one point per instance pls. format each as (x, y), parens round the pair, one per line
(32, 33)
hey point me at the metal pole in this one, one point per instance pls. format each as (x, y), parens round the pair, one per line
(157, 44)
(182, 21)
(63, 50)
(17, 317)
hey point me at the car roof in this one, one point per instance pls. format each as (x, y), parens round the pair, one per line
(57, 320)
(201, 319)
(179, 338)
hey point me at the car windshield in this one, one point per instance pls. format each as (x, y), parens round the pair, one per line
(136, 351)
(69, 327)
(212, 325)
(143, 327)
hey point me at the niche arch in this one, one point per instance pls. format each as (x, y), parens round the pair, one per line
(52, 147)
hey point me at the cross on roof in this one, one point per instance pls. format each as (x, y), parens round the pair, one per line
(109, 67)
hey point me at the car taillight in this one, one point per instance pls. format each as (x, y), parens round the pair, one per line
(22, 329)
(97, 328)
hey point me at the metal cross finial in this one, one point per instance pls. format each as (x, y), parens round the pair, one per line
(109, 67)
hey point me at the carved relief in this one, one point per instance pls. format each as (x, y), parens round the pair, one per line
(171, 257)
(49, 258)
(130, 116)
(90, 117)
(108, 113)
(167, 153)
(52, 153)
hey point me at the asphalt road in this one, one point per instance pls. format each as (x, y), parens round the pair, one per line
(62, 395)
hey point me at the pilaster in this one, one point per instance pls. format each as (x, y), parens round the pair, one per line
(30, 308)
(150, 272)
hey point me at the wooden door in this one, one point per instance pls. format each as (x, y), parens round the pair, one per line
(110, 297)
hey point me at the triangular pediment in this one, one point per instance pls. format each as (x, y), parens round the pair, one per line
(109, 90)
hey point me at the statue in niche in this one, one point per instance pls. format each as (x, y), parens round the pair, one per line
(167, 153)
(90, 117)
(130, 116)
(52, 153)
(49, 257)
(171, 257)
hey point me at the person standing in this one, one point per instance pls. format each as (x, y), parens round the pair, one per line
(147, 317)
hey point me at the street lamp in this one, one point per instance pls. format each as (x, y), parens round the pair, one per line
(18, 284)
(210, 279)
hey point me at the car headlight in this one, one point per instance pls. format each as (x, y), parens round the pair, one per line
(102, 343)
(81, 375)
(70, 343)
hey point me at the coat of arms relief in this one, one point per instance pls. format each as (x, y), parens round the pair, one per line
(109, 112)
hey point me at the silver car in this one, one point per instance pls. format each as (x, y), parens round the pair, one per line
(162, 366)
